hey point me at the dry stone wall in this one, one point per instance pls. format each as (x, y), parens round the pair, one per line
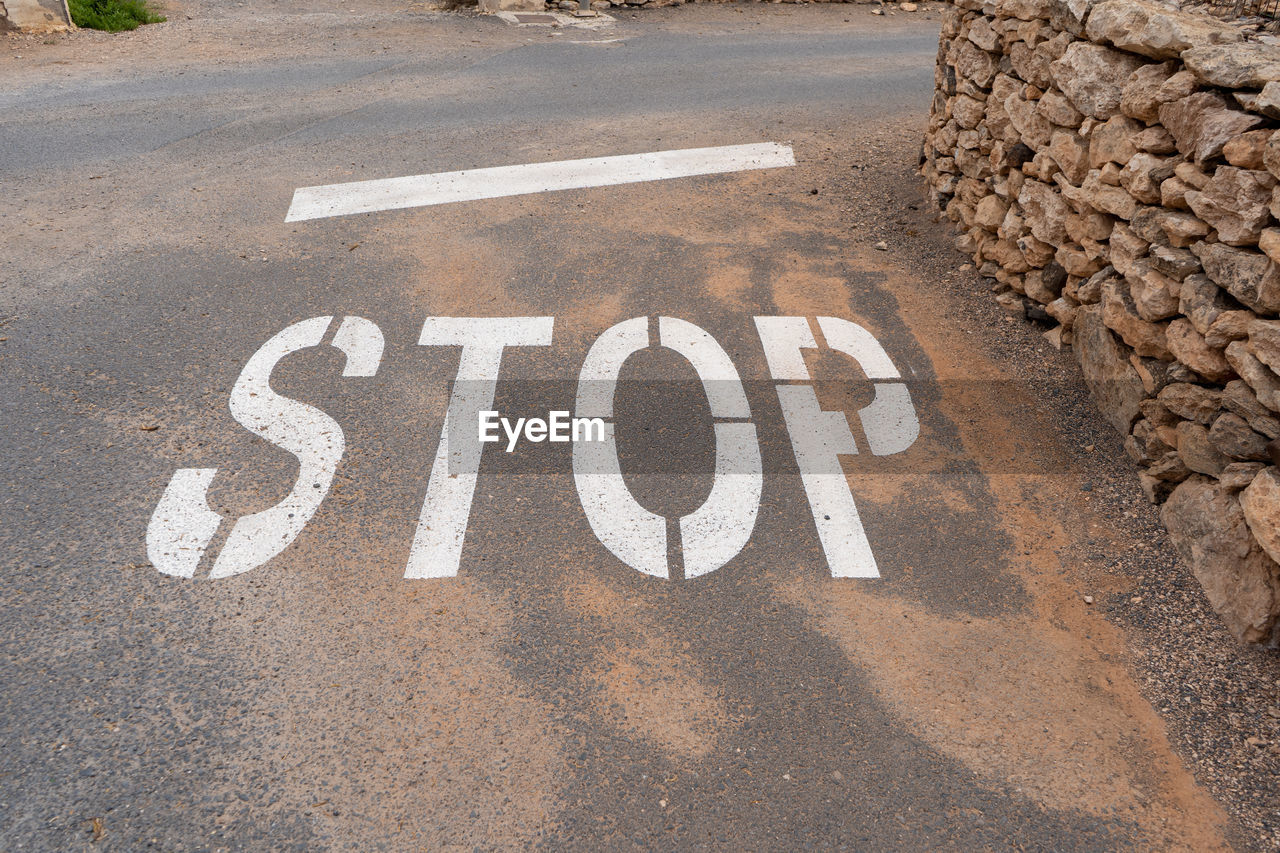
(1114, 167)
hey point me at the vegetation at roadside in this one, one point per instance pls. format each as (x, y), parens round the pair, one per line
(112, 15)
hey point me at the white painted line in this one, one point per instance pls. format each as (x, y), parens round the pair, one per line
(500, 181)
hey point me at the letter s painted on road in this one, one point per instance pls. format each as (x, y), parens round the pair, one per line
(183, 525)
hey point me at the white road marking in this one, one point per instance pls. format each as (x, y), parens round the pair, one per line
(820, 437)
(182, 524)
(714, 533)
(499, 181)
(632, 533)
(451, 487)
(889, 422)
(308, 433)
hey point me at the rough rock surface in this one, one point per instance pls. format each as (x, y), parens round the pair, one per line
(1110, 377)
(1261, 505)
(1208, 527)
(1235, 66)
(1155, 31)
(1114, 168)
(1093, 77)
(1203, 123)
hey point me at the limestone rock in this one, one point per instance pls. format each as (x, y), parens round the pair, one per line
(1053, 49)
(975, 63)
(1062, 309)
(1121, 316)
(1179, 229)
(1093, 77)
(967, 111)
(1031, 65)
(1141, 176)
(1261, 505)
(1116, 389)
(1188, 347)
(1112, 141)
(1055, 107)
(990, 212)
(1235, 202)
(1034, 129)
(1246, 149)
(1209, 529)
(1043, 167)
(1075, 261)
(1202, 302)
(1197, 451)
(1235, 66)
(1262, 381)
(1090, 225)
(1089, 292)
(1126, 248)
(1239, 398)
(1145, 90)
(1154, 374)
(1069, 15)
(1271, 155)
(1195, 177)
(1238, 475)
(1044, 211)
(1264, 341)
(1203, 123)
(1155, 140)
(1005, 253)
(1169, 468)
(1156, 491)
(1153, 30)
(1177, 264)
(1152, 445)
(1266, 102)
(1098, 194)
(1232, 435)
(1154, 295)
(1173, 193)
(1248, 276)
(1191, 402)
(1269, 243)
(1155, 412)
(1229, 326)
(1037, 252)
(981, 34)
(1071, 153)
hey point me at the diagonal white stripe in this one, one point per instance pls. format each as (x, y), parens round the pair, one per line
(472, 184)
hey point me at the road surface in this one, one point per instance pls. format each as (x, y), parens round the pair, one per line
(373, 649)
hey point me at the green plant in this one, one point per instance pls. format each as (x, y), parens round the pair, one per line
(112, 15)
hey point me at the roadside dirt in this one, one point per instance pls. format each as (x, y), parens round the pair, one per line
(1217, 701)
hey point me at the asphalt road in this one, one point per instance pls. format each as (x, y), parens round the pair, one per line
(548, 695)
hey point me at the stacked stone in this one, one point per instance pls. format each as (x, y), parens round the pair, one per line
(1115, 167)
